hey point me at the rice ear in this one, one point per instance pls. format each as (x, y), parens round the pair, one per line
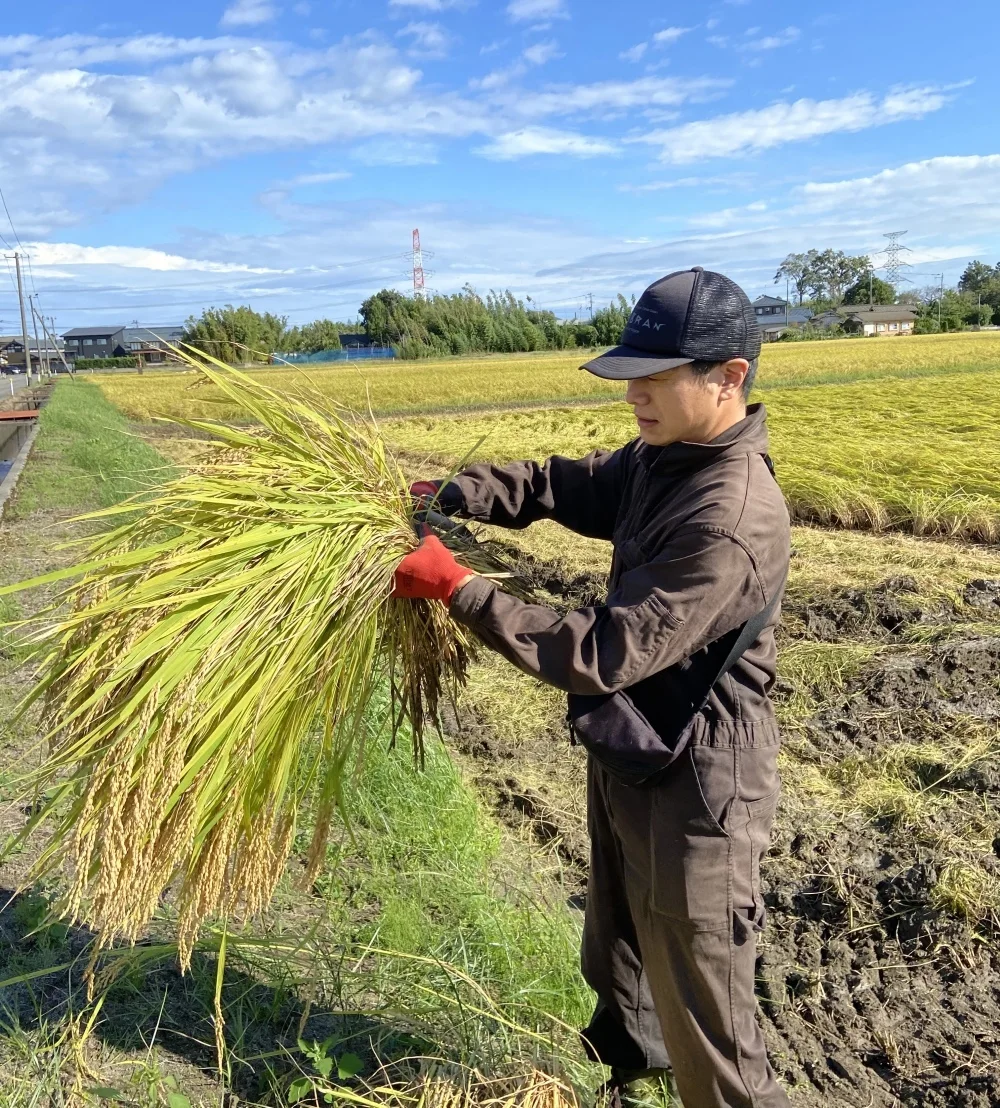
(208, 670)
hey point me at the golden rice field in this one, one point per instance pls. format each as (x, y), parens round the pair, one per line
(920, 454)
(537, 379)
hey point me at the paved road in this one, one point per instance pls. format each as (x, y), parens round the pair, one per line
(12, 384)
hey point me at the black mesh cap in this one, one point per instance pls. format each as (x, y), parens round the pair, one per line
(693, 315)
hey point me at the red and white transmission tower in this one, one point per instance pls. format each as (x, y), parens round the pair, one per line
(419, 291)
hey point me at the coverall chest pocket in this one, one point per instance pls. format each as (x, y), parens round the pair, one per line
(690, 847)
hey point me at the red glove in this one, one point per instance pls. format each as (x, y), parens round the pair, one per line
(429, 573)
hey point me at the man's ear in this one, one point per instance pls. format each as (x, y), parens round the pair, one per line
(733, 375)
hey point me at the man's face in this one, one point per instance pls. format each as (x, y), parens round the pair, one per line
(681, 406)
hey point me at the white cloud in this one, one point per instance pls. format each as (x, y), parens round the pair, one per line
(81, 51)
(912, 188)
(681, 183)
(395, 152)
(634, 53)
(539, 54)
(129, 257)
(662, 38)
(544, 140)
(427, 40)
(306, 179)
(521, 11)
(542, 52)
(772, 42)
(669, 35)
(248, 13)
(765, 128)
(610, 97)
(729, 217)
(427, 5)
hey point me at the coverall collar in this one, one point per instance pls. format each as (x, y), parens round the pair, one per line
(749, 436)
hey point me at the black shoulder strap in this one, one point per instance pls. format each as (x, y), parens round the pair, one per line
(748, 634)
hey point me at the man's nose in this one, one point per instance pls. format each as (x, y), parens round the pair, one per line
(634, 393)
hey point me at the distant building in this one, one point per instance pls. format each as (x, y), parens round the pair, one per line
(148, 345)
(12, 354)
(769, 305)
(92, 342)
(775, 316)
(882, 319)
(879, 320)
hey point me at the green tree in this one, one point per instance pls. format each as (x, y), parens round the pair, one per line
(825, 274)
(881, 292)
(609, 322)
(236, 335)
(796, 268)
(978, 276)
(310, 338)
(463, 323)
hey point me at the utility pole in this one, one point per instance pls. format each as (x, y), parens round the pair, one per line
(38, 345)
(871, 301)
(24, 321)
(55, 345)
(590, 301)
(37, 317)
(786, 302)
(940, 298)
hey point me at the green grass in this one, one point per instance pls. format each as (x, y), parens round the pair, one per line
(85, 456)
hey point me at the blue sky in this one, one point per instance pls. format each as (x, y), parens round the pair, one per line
(159, 158)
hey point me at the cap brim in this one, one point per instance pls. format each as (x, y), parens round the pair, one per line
(626, 363)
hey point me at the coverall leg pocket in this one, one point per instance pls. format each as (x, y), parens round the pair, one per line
(690, 848)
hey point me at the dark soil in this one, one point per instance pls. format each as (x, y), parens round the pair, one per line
(870, 994)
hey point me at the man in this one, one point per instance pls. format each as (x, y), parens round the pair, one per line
(668, 684)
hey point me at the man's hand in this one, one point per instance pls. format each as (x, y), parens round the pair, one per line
(430, 572)
(423, 492)
(443, 496)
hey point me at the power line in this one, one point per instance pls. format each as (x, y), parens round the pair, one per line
(9, 220)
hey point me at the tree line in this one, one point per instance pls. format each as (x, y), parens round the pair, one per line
(468, 323)
(824, 279)
(236, 335)
(462, 323)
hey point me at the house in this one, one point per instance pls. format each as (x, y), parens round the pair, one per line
(775, 316)
(878, 320)
(150, 345)
(881, 319)
(769, 306)
(92, 342)
(12, 354)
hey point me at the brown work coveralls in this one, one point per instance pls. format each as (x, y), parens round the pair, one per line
(701, 544)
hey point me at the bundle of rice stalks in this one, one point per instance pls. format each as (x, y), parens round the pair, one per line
(205, 675)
